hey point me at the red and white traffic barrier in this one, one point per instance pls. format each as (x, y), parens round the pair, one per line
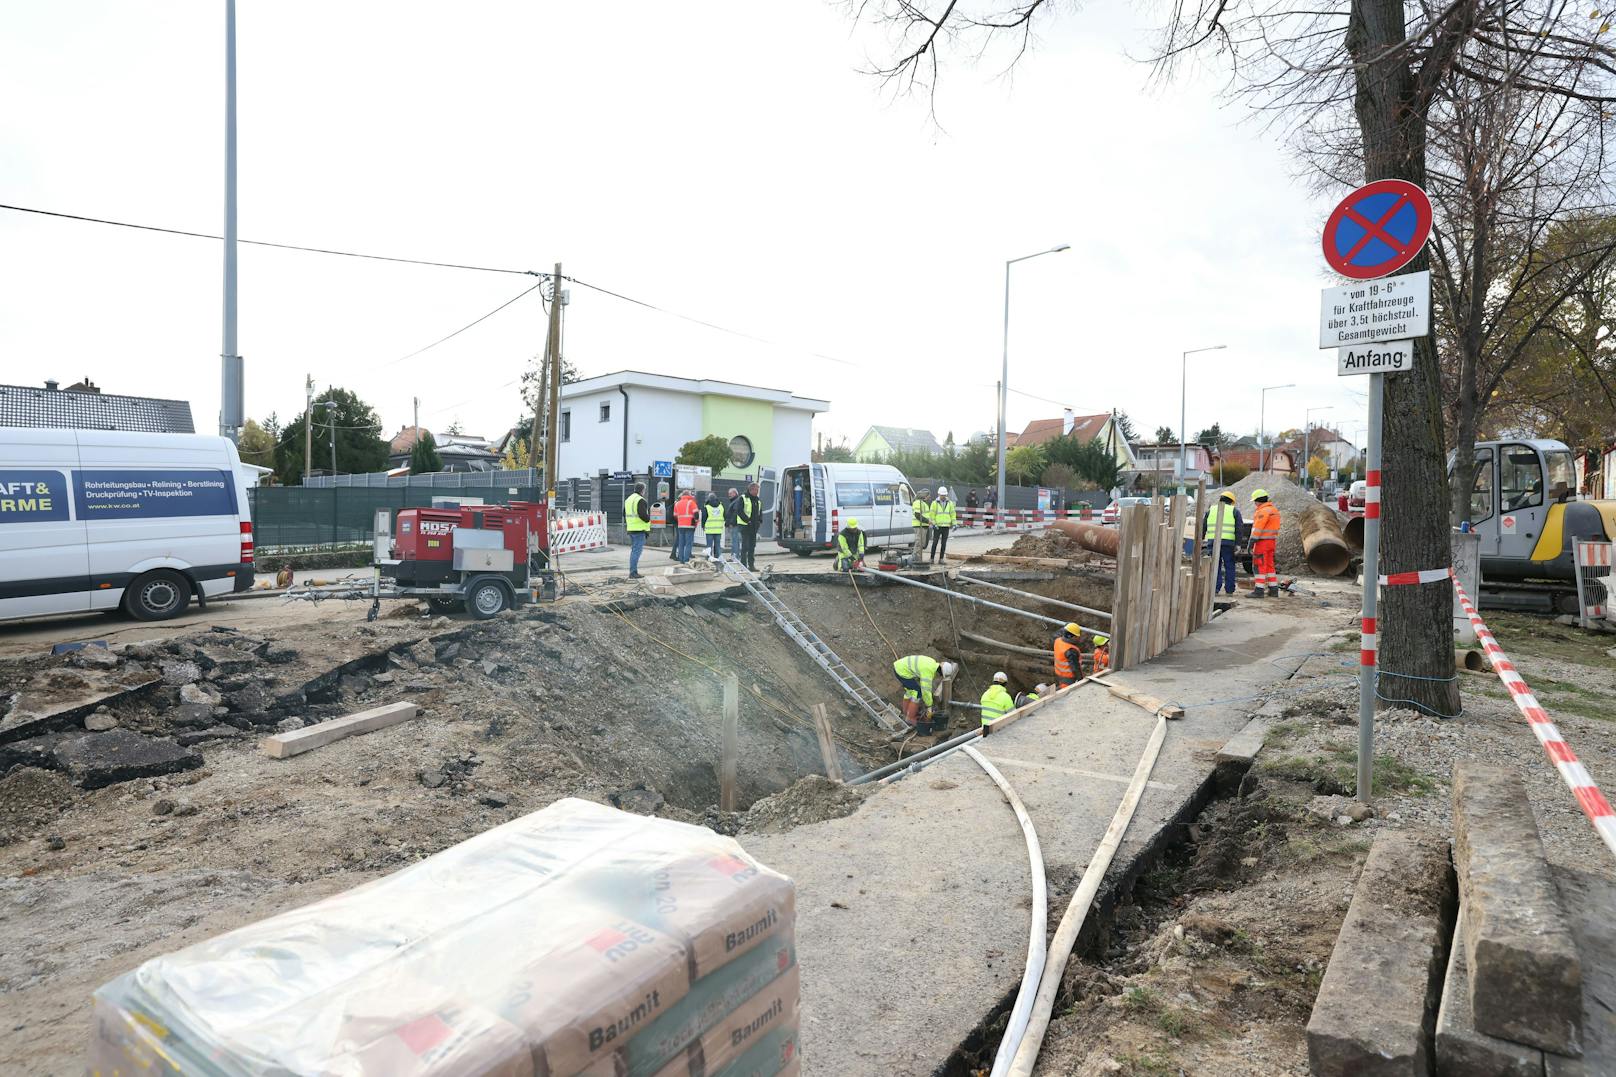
(1576, 776)
(575, 532)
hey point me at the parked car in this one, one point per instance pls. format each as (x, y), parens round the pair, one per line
(1113, 511)
(1355, 496)
(105, 520)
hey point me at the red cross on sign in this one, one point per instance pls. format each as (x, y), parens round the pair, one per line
(1377, 229)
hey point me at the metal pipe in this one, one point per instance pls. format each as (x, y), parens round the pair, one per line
(875, 573)
(1096, 538)
(902, 764)
(1371, 593)
(1040, 598)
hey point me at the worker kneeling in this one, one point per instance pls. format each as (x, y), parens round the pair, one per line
(1068, 656)
(996, 701)
(921, 676)
(850, 544)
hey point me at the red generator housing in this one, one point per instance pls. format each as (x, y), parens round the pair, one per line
(423, 541)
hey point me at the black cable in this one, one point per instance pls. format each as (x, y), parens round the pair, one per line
(467, 326)
(266, 243)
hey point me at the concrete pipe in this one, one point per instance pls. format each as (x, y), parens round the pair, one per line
(1352, 531)
(1322, 543)
(1092, 537)
(1471, 661)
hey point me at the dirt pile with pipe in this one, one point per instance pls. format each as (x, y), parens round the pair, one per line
(1292, 501)
(1045, 544)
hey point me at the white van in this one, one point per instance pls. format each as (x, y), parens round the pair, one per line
(105, 519)
(815, 500)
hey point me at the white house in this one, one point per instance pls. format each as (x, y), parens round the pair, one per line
(629, 420)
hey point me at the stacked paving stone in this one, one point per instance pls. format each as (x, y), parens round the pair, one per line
(1519, 981)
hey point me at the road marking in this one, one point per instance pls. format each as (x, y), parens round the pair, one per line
(1118, 778)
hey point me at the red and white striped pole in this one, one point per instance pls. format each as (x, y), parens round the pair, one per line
(1371, 592)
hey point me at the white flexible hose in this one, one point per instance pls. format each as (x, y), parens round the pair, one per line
(1037, 948)
(1060, 949)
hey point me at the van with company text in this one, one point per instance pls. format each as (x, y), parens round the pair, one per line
(102, 520)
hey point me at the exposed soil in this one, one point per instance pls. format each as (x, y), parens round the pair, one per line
(814, 799)
(1046, 544)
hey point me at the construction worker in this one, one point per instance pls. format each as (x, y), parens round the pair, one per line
(1068, 656)
(752, 510)
(943, 514)
(712, 526)
(734, 519)
(921, 677)
(920, 509)
(1100, 661)
(686, 513)
(996, 701)
(637, 519)
(1222, 521)
(1264, 539)
(1031, 695)
(850, 543)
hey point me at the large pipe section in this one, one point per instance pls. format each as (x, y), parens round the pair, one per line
(1096, 538)
(1352, 531)
(1322, 542)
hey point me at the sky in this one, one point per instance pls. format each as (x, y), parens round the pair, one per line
(729, 161)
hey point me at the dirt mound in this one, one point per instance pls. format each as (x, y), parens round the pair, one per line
(812, 800)
(1045, 544)
(1290, 499)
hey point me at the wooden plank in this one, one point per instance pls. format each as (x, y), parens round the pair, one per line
(1043, 701)
(1197, 529)
(1148, 702)
(1122, 593)
(731, 744)
(1129, 642)
(827, 743)
(1217, 556)
(1142, 597)
(1176, 577)
(285, 745)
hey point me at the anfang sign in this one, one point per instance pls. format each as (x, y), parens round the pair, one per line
(1389, 358)
(1376, 311)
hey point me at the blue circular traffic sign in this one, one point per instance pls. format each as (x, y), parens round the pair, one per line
(1377, 229)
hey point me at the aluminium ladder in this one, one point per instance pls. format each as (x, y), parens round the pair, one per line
(879, 710)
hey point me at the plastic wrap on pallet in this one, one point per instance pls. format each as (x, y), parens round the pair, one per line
(538, 949)
(776, 1054)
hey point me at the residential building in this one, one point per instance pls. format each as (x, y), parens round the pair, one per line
(83, 406)
(1085, 428)
(880, 442)
(629, 420)
(1279, 460)
(1325, 443)
(1162, 459)
(458, 452)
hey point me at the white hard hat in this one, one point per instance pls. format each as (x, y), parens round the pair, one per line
(942, 491)
(949, 669)
(1000, 678)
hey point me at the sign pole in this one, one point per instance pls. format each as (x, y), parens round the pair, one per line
(1369, 655)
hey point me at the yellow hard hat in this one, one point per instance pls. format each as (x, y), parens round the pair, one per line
(1074, 629)
(1227, 495)
(851, 522)
(1259, 495)
(1101, 639)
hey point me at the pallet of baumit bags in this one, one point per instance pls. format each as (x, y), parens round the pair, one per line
(578, 940)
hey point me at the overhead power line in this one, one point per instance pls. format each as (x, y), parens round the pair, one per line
(468, 325)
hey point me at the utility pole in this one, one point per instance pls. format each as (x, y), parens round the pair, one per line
(231, 396)
(415, 423)
(331, 422)
(552, 472)
(308, 427)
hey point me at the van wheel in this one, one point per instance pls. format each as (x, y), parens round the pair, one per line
(157, 596)
(487, 597)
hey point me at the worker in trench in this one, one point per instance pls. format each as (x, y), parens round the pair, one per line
(1068, 656)
(921, 677)
(1100, 660)
(997, 701)
(1264, 541)
(850, 542)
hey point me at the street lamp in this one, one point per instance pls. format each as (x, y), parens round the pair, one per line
(1183, 386)
(1262, 411)
(1004, 380)
(1307, 434)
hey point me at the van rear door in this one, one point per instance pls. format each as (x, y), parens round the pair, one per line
(44, 560)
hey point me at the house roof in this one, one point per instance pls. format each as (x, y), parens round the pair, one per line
(26, 405)
(699, 387)
(1084, 428)
(903, 439)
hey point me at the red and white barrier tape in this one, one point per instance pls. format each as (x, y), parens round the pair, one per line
(1424, 575)
(1576, 776)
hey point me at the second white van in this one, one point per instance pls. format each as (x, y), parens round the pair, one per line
(815, 500)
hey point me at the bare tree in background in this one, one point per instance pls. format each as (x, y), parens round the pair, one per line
(1391, 64)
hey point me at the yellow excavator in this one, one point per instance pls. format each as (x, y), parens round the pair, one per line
(1524, 506)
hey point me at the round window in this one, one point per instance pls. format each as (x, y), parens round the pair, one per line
(740, 451)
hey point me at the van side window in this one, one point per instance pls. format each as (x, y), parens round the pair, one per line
(854, 495)
(1520, 477)
(1481, 492)
(884, 493)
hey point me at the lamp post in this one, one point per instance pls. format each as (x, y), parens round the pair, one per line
(1183, 390)
(1004, 379)
(1307, 436)
(1262, 412)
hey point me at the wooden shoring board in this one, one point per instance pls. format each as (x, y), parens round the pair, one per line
(1122, 591)
(285, 745)
(1197, 529)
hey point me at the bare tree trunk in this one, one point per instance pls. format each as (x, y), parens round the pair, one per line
(1467, 409)
(1415, 622)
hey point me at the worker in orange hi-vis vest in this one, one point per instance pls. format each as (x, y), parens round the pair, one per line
(1264, 539)
(1068, 656)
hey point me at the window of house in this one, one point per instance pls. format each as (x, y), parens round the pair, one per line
(605, 411)
(1481, 491)
(566, 426)
(1520, 477)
